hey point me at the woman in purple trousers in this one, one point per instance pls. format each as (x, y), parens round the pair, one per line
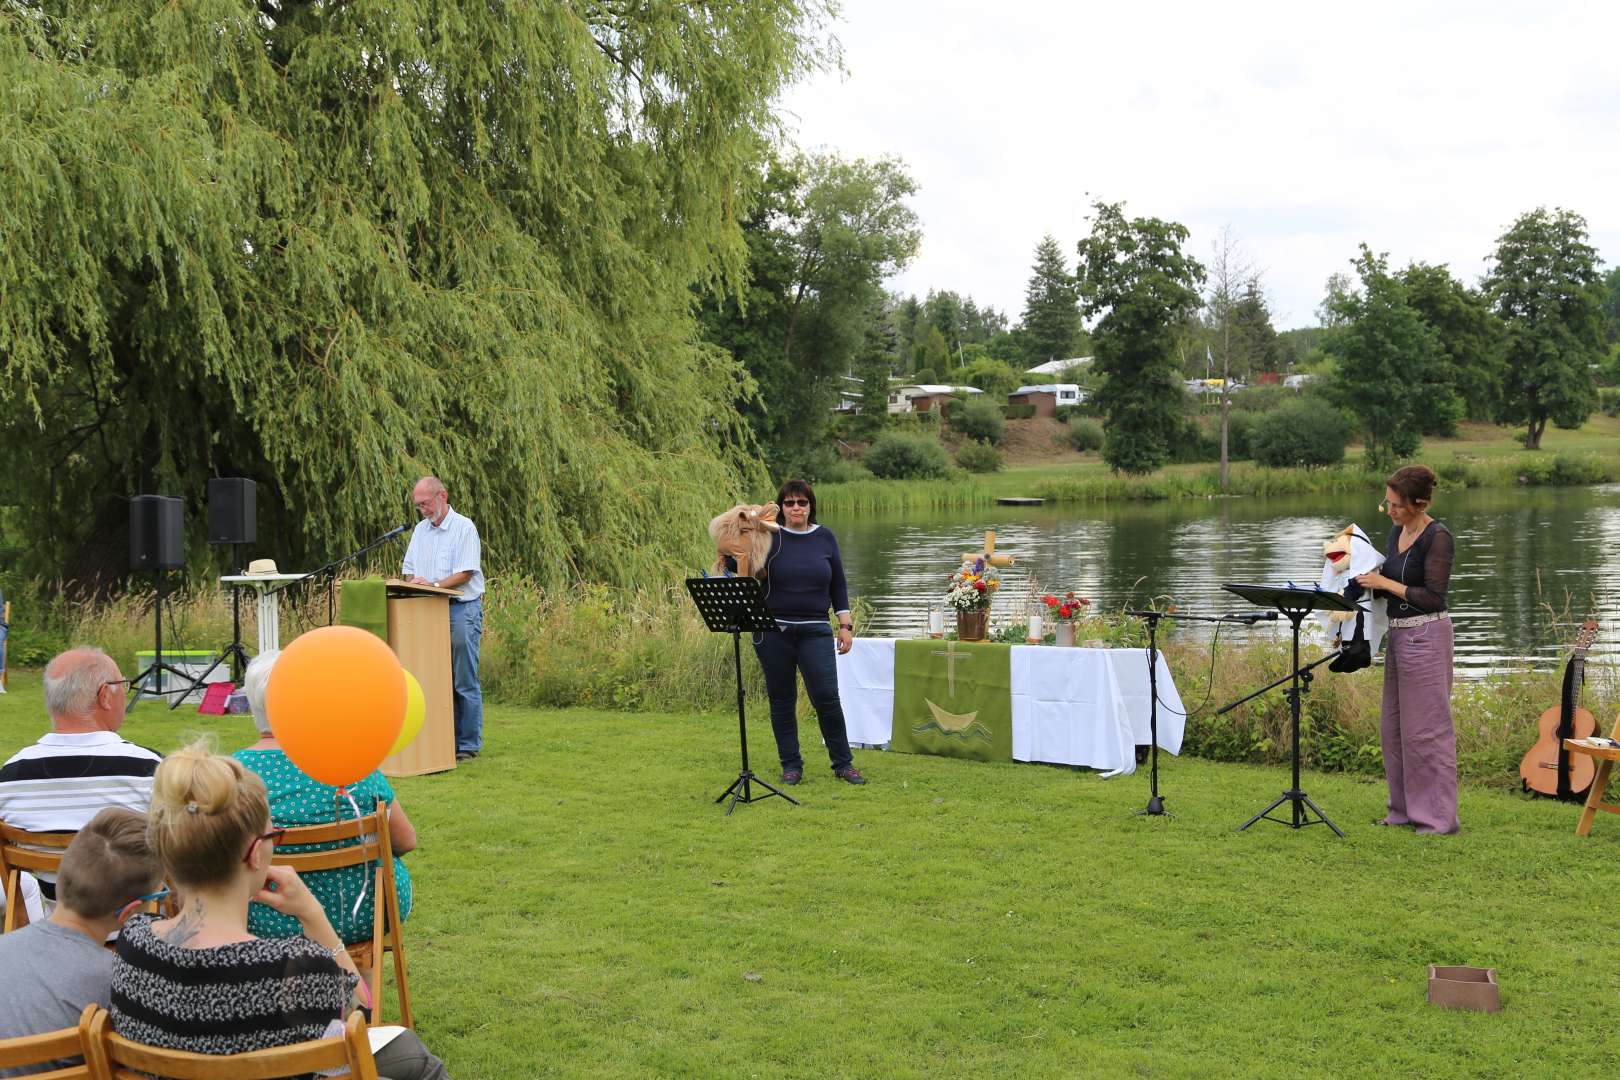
(1420, 744)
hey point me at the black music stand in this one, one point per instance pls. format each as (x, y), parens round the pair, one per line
(1295, 603)
(732, 606)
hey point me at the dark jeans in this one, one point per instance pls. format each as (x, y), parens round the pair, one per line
(405, 1058)
(809, 649)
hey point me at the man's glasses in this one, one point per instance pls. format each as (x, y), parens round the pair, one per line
(274, 836)
(118, 682)
(146, 898)
(795, 502)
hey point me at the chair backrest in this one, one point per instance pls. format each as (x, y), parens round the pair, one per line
(52, 1046)
(116, 1058)
(374, 848)
(23, 850)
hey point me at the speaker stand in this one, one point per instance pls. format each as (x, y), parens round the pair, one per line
(156, 669)
(234, 652)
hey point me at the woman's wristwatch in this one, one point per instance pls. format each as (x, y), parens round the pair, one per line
(846, 626)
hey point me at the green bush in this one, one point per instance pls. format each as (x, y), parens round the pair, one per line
(978, 419)
(979, 457)
(1297, 433)
(1569, 469)
(1018, 412)
(923, 376)
(899, 456)
(1459, 472)
(1085, 434)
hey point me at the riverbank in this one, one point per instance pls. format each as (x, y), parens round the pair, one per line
(640, 651)
(1482, 455)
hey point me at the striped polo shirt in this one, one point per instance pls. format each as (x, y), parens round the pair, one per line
(59, 783)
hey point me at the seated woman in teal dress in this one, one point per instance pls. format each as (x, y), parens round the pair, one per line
(296, 800)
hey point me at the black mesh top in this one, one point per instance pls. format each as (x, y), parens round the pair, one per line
(1424, 568)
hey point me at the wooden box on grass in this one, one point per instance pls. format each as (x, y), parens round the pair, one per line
(1464, 988)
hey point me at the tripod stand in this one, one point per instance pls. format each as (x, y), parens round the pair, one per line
(234, 652)
(1155, 803)
(1294, 603)
(730, 606)
(157, 668)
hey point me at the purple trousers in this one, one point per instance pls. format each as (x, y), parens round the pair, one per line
(1420, 745)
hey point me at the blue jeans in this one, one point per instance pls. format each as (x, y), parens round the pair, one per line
(466, 629)
(808, 649)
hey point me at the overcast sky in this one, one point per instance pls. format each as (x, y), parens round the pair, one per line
(1420, 128)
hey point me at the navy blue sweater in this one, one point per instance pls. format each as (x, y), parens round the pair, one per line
(805, 576)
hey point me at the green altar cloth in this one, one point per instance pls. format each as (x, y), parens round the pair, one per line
(365, 604)
(953, 699)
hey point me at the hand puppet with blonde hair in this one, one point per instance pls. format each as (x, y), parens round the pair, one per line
(744, 534)
(1346, 556)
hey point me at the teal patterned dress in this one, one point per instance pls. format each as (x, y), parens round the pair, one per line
(295, 800)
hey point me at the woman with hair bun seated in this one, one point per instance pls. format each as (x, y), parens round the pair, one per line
(200, 981)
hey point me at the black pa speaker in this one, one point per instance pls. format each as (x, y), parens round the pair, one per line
(156, 541)
(233, 516)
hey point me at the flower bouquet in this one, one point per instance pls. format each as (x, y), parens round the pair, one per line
(1065, 611)
(970, 591)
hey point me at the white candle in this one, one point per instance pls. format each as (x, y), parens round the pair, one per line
(1036, 633)
(936, 622)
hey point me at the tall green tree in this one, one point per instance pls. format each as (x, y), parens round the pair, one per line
(1467, 373)
(1051, 321)
(333, 246)
(823, 239)
(1386, 359)
(878, 359)
(1142, 289)
(929, 353)
(1544, 285)
(1231, 275)
(1611, 304)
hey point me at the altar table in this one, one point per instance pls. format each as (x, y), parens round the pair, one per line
(1069, 706)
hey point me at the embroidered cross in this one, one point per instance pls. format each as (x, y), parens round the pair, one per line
(951, 657)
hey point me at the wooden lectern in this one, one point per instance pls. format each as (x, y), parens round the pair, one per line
(419, 634)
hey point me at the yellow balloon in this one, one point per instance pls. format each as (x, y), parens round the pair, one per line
(415, 712)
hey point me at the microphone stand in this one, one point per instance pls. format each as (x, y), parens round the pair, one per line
(330, 571)
(1155, 803)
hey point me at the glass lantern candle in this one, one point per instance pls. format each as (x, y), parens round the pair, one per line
(1037, 623)
(936, 620)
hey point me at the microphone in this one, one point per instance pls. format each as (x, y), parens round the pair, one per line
(1262, 616)
(394, 532)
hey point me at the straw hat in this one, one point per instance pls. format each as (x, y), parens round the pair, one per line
(261, 568)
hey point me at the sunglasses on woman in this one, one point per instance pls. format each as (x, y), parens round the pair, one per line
(274, 836)
(795, 502)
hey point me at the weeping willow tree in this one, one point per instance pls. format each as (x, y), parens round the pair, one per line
(334, 245)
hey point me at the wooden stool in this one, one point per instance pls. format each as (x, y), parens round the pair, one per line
(1606, 757)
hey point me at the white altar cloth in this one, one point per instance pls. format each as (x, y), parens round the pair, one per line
(1069, 706)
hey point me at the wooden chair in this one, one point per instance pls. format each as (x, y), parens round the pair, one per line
(21, 850)
(113, 1057)
(374, 847)
(36, 1050)
(1606, 757)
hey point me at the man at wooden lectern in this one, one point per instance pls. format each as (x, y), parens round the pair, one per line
(444, 553)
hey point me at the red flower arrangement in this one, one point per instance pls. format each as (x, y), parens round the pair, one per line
(1068, 608)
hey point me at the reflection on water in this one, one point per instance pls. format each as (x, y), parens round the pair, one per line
(1517, 552)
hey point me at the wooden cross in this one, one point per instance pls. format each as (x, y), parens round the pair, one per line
(989, 553)
(951, 657)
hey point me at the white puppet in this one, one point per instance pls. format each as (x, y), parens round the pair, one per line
(1346, 556)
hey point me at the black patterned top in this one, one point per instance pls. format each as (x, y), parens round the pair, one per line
(226, 999)
(1424, 568)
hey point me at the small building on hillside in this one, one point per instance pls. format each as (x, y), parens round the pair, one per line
(925, 397)
(1047, 397)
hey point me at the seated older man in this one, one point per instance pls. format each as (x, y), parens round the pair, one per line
(82, 765)
(296, 799)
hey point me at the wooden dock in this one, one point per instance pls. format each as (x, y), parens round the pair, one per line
(1018, 500)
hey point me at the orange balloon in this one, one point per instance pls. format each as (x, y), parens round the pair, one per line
(336, 701)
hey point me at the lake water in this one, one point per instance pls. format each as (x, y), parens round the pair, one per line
(1518, 551)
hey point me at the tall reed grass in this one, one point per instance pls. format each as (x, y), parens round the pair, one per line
(647, 650)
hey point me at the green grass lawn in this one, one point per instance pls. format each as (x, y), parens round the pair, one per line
(584, 909)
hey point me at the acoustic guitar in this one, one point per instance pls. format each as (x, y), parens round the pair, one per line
(1549, 769)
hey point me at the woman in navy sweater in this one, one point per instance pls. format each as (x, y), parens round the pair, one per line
(804, 578)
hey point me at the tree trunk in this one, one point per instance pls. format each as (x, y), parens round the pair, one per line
(1532, 438)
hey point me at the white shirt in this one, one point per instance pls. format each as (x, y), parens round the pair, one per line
(437, 551)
